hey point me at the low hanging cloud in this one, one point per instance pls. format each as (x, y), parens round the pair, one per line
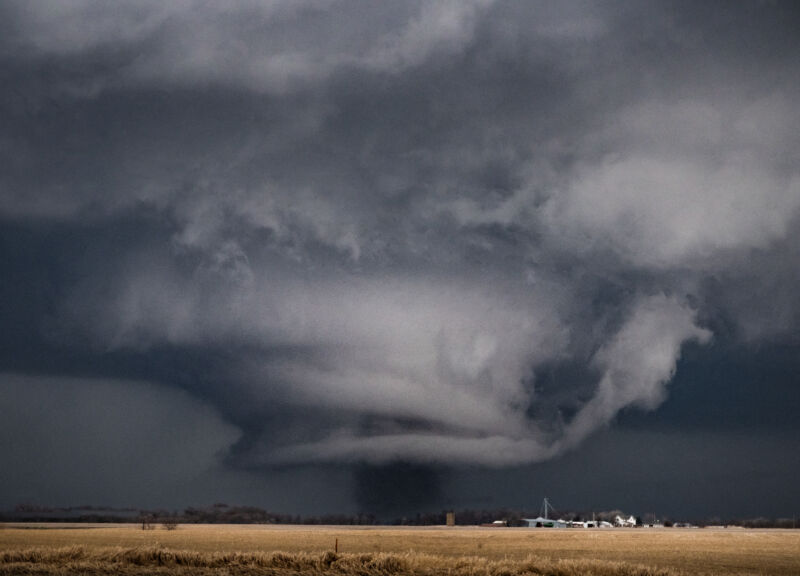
(378, 226)
(637, 363)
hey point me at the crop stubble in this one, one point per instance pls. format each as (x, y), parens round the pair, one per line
(246, 549)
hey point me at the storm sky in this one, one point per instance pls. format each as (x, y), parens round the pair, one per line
(393, 256)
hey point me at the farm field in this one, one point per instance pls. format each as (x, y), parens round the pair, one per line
(250, 549)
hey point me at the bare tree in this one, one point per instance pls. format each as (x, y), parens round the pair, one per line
(170, 524)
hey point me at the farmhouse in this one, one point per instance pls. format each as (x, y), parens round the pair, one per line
(629, 522)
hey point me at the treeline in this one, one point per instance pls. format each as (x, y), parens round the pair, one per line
(464, 518)
(761, 523)
(215, 514)
(225, 514)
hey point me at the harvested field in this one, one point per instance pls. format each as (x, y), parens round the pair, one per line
(126, 549)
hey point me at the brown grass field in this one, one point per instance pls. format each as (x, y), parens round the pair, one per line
(366, 551)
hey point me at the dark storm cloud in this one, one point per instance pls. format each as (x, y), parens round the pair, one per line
(673, 474)
(103, 438)
(433, 233)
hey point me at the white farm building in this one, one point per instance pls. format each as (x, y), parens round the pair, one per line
(542, 522)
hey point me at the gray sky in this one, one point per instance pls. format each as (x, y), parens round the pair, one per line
(281, 252)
